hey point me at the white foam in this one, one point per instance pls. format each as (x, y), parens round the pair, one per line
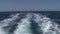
(2, 31)
(6, 22)
(24, 26)
(45, 23)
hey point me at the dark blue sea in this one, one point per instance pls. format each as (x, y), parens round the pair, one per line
(30, 22)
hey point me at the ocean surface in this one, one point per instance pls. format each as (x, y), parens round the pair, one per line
(30, 22)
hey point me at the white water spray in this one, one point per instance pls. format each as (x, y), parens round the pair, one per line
(24, 26)
(46, 25)
(7, 22)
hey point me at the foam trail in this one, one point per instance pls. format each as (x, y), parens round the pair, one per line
(46, 25)
(24, 26)
(7, 22)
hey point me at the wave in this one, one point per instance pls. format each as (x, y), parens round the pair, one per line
(24, 26)
(6, 24)
(32, 23)
(46, 25)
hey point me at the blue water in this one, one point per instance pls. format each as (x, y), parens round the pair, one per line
(30, 22)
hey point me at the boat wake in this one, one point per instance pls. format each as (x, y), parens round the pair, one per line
(30, 23)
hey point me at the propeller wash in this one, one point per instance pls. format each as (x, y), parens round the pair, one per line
(29, 23)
